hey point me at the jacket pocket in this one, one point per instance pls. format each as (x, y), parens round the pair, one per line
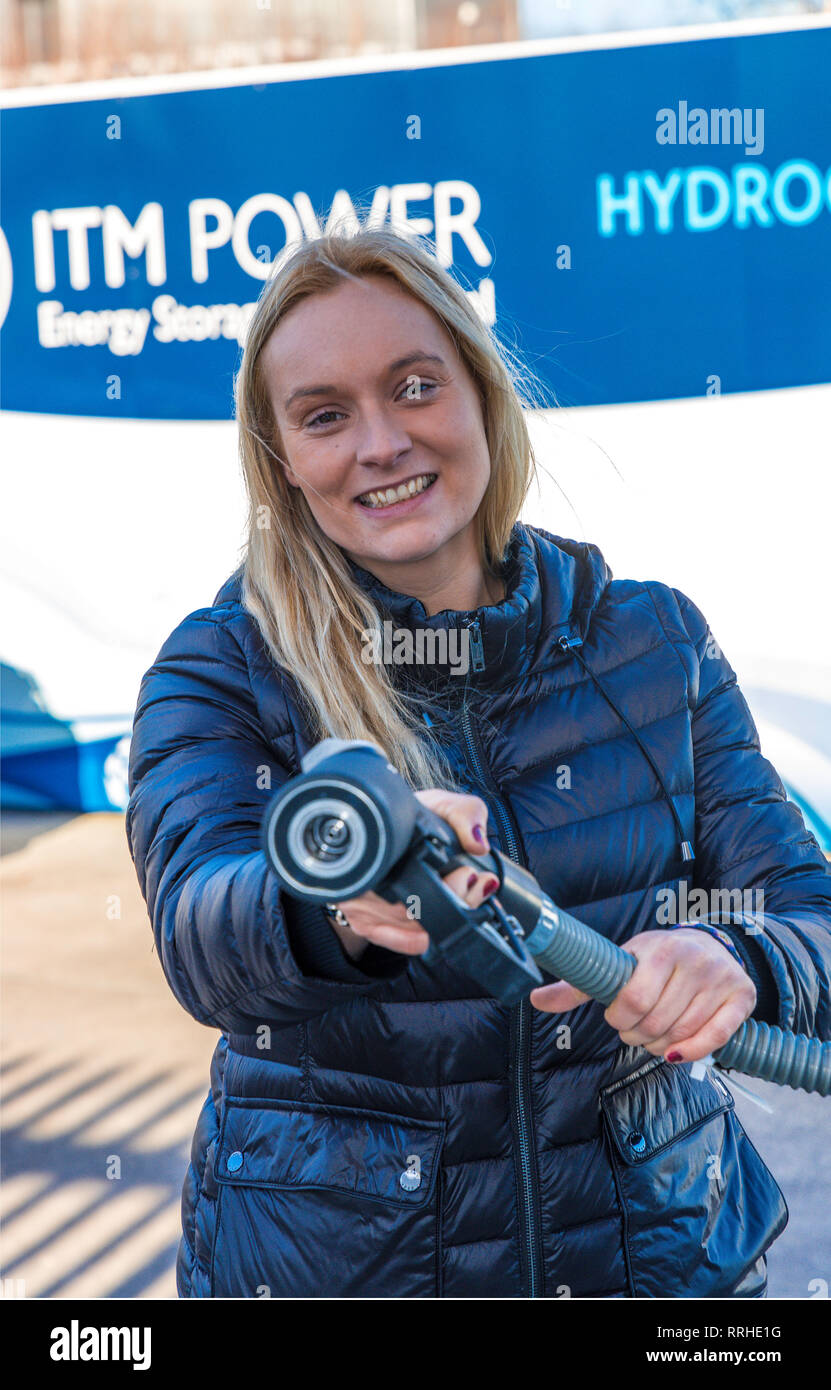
(699, 1206)
(321, 1201)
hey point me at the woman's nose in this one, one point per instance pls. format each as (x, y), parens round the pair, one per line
(380, 438)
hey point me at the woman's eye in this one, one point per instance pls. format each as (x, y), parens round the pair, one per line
(322, 418)
(415, 390)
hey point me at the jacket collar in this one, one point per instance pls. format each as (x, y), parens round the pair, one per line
(552, 587)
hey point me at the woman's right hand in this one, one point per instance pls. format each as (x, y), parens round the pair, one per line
(372, 918)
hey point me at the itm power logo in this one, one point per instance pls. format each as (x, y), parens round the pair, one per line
(76, 1343)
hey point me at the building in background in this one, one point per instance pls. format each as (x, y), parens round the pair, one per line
(57, 41)
(546, 19)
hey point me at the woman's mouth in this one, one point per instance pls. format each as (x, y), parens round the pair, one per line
(384, 498)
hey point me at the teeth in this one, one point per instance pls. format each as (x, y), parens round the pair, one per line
(386, 497)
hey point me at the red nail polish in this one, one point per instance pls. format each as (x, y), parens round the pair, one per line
(478, 834)
(674, 1057)
(490, 887)
(471, 882)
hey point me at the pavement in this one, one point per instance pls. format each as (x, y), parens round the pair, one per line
(103, 1072)
(103, 1076)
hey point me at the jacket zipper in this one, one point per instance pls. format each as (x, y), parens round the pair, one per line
(476, 647)
(521, 1034)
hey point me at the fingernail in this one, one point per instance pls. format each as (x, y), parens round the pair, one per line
(490, 887)
(478, 834)
(674, 1057)
(471, 882)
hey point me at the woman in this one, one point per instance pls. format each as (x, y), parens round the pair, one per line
(376, 1125)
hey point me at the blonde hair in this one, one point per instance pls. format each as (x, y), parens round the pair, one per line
(296, 582)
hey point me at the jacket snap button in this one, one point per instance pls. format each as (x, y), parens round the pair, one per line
(410, 1179)
(637, 1141)
(234, 1161)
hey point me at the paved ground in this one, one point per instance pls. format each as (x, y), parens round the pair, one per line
(104, 1074)
(101, 1067)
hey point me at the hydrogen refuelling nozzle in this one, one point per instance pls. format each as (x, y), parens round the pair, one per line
(350, 824)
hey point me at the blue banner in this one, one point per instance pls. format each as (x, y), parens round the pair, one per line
(643, 222)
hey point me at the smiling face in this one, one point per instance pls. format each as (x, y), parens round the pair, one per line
(382, 429)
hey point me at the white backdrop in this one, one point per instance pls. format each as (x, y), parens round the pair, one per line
(112, 531)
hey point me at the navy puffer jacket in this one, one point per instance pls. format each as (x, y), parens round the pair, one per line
(604, 729)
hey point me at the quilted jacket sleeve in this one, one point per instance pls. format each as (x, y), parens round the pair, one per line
(235, 951)
(750, 837)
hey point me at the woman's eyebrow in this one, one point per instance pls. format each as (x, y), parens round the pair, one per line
(325, 390)
(415, 357)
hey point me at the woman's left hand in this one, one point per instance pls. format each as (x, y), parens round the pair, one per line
(684, 999)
